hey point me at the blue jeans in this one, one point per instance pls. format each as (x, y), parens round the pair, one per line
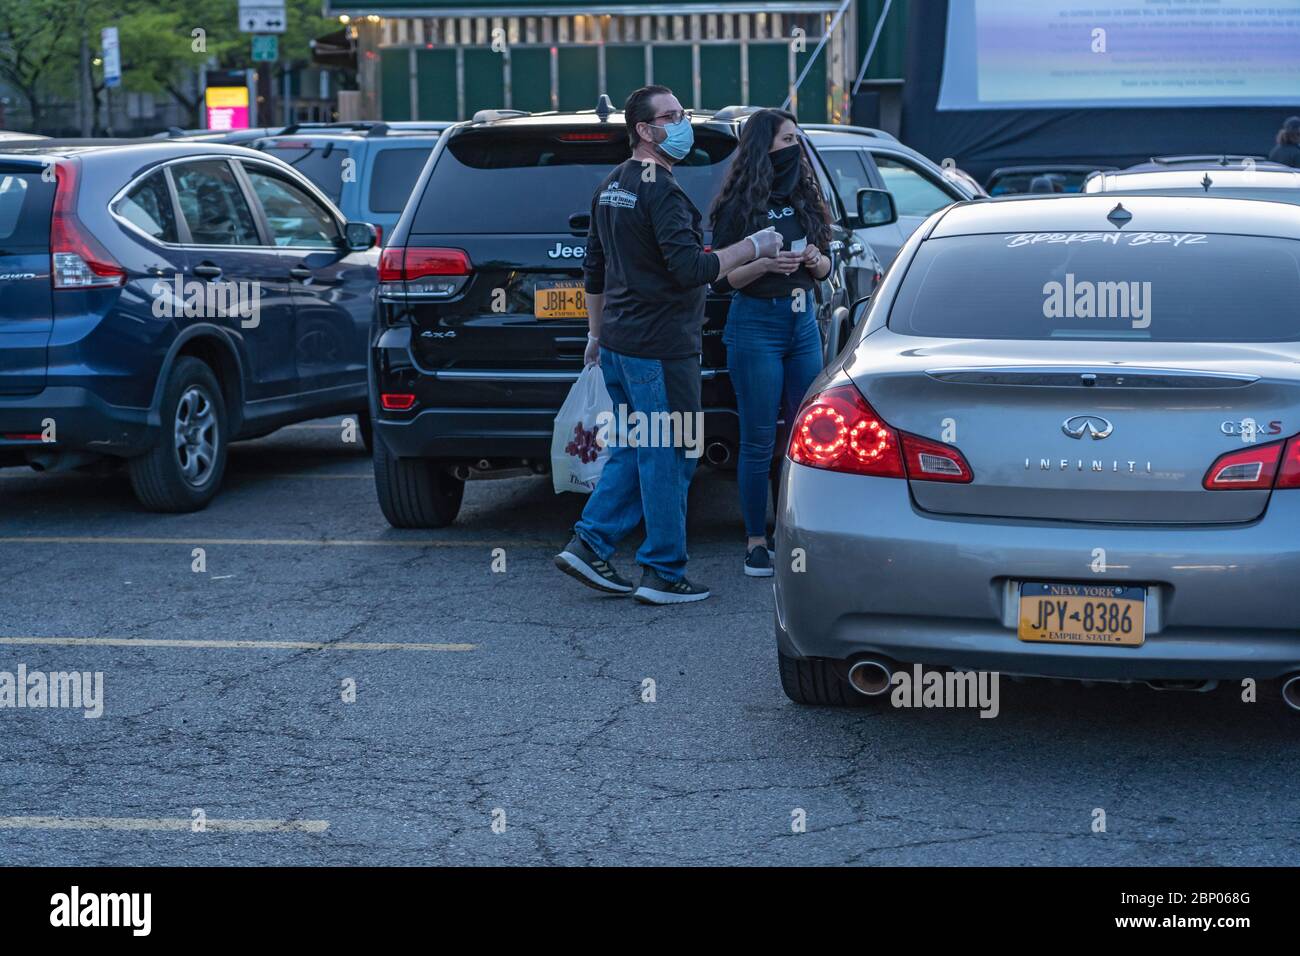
(773, 354)
(642, 482)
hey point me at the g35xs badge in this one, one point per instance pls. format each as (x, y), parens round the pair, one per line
(1248, 426)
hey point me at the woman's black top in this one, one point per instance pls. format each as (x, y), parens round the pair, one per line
(770, 285)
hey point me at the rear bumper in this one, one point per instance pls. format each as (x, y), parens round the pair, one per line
(886, 579)
(498, 414)
(82, 422)
(501, 433)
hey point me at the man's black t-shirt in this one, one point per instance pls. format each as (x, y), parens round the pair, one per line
(645, 254)
(772, 285)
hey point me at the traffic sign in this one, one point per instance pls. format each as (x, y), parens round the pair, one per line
(262, 16)
(266, 48)
(112, 57)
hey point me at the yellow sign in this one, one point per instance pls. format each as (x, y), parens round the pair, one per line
(219, 97)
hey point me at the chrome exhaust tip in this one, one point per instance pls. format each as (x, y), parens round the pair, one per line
(871, 678)
(1291, 691)
(717, 453)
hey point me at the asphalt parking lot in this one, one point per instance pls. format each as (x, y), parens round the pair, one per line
(499, 715)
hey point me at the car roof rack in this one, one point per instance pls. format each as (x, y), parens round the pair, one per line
(729, 113)
(1222, 159)
(491, 116)
(369, 127)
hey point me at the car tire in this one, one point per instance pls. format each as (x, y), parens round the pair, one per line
(415, 492)
(817, 681)
(184, 470)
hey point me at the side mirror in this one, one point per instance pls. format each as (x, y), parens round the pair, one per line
(876, 207)
(360, 236)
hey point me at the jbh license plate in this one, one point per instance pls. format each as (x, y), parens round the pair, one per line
(559, 300)
(1083, 613)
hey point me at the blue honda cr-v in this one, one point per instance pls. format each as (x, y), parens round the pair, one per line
(160, 300)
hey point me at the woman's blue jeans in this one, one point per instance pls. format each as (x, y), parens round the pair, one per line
(773, 354)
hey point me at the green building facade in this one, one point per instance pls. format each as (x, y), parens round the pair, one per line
(446, 59)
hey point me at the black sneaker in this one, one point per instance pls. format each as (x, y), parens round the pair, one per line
(655, 590)
(758, 563)
(580, 562)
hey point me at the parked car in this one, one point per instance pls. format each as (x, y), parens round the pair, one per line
(367, 168)
(1051, 490)
(480, 326)
(1057, 177)
(234, 137)
(1266, 181)
(864, 158)
(161, 300)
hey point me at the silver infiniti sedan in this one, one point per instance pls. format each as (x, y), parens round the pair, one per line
(1064, 441)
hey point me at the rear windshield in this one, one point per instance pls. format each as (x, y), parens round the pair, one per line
(1170, 287)
(1046, 182)
(497, 181)
(323, 164)
(25, 202)
(393, 176)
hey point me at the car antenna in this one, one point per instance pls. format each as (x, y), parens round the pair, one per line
(604, 107)
(1119, 216)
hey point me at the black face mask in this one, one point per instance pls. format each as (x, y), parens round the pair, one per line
(785, 171)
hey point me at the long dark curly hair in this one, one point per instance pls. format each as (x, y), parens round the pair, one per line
(742, 202)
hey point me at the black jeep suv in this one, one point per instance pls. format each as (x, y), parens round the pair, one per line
(480, 324)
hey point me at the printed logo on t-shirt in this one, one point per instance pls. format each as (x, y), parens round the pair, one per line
(780, 213)
(616, 195)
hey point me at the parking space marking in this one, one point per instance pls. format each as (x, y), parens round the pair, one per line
(162, 823)
(239, 645)
(274, 542)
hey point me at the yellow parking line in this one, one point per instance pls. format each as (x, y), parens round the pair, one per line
(162, 823)
(272, 542)
(238, 645)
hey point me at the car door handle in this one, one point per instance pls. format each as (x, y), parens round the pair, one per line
(300, 272)
(855, 250)
(207, 270)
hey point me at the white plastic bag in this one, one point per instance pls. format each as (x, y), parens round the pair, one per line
(577, 454)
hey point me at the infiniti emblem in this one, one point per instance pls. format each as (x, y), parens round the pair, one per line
(1093, 425)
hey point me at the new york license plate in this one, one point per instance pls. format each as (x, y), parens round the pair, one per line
(1083, 613)
(559, 300)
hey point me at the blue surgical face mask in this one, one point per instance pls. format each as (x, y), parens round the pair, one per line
(681, 137)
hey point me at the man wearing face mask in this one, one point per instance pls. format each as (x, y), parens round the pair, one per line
(646, 276)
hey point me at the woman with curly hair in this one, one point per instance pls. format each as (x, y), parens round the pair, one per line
(774, 349)
(1287, 149)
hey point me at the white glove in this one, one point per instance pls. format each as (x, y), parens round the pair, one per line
(767, 243)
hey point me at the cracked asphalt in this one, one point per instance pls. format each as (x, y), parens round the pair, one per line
(541, 726)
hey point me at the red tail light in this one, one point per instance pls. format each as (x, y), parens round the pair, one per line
(396, 402)
(1288, 475)
(1251, 468)
(77, 259)
(1256, 468)
(415, 271)
(837, 430)
(379, 236)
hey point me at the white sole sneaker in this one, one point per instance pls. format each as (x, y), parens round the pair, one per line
(653, 596)
(758, 572)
